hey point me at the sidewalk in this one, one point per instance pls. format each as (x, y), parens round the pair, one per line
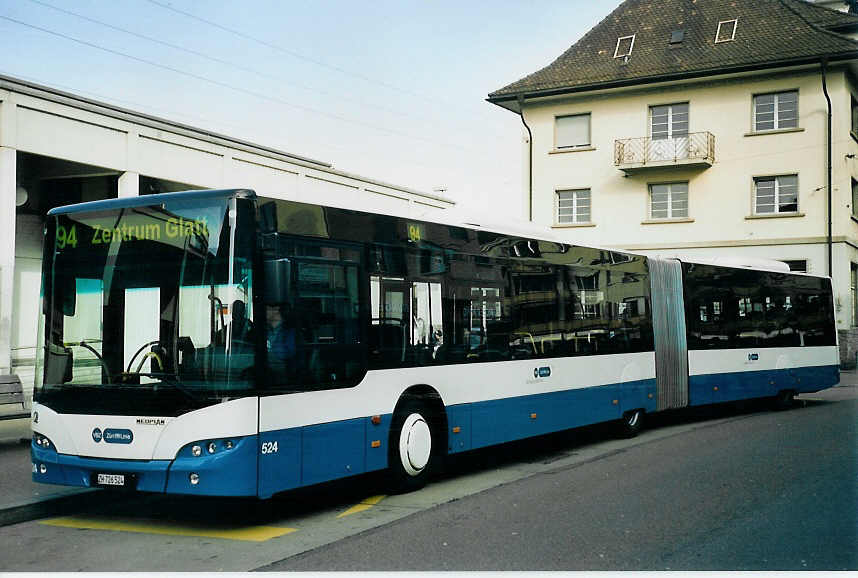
(22, 499)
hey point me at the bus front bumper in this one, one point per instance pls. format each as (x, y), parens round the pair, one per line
(229, 472)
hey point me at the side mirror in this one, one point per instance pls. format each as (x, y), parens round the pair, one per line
(59, 364)
(63, 294)
(278, 275)
(268, 217)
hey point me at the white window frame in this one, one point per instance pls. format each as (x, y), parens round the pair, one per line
(670, 200)
(589, 142)
(671, 114)
(575, 217)
(854, 114)
(854, 197)
(777, 119)
(735, 22)
(776, 179)
(853, 291)
(631, 46)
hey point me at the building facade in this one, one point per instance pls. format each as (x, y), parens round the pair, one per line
(701, 129)
(58, 148)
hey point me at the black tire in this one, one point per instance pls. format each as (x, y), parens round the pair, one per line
(413, 446)
(785, 399)
(631, 423)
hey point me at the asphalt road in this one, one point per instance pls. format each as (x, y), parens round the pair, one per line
(715, 489)
(761, 491)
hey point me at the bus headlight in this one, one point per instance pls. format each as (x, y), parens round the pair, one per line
(194, 479)
(43, 442)
(203, 448)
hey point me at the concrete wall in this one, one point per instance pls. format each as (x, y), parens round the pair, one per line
(50, 136)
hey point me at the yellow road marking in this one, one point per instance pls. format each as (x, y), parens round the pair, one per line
(250, 534)
(363, 505)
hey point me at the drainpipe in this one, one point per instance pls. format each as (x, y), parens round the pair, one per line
(529, 160)
(828, 151)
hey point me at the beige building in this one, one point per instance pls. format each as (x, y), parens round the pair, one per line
(58, 148)
(701, 129)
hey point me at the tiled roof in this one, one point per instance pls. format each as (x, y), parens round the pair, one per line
(768, 33)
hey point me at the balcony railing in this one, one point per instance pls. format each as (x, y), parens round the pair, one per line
(695, 149)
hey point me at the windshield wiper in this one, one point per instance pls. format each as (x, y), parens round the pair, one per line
(166, 379)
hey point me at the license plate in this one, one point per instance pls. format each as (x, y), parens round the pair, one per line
(110, 479)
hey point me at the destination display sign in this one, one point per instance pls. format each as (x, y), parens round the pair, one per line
(171, 228)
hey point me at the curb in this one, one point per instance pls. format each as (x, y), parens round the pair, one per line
(48, 506)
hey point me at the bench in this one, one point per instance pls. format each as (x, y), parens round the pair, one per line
(12, 393)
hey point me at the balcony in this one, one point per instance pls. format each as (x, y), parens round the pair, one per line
(694, 150)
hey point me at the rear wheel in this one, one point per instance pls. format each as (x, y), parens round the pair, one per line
(785, 399)
(631, 423)
(412, 454)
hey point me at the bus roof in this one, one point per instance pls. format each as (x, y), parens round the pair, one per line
(145, 200)
(525, 230)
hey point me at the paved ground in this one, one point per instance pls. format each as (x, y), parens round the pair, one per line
(578, 500)
(758, 491)
(17, 490)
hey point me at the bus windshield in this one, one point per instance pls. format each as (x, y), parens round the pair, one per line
(149, 303)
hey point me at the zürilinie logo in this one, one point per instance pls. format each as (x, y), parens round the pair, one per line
(150, 421)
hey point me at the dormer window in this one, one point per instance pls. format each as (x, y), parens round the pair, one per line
(624, 46)
(726, 31)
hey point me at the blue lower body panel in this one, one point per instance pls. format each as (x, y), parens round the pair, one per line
(280, 460)
(319, 453)
(485, 423)
(723, 387)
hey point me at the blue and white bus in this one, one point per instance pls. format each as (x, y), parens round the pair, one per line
(222, 343)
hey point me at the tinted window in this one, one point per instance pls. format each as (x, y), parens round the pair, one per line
(740, 308)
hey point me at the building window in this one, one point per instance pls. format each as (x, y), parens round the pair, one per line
(854, 116)
(668, 121)
(776, 194)
(854, 198)
(796, 265)
(726, 31)
(853, 281)
(776, 110)
(573, 206)
(668, 201)
(572, 131)
(625, 44)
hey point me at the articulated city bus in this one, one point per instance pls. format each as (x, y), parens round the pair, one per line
(221, 343)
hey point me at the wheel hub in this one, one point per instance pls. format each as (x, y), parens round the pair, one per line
(415, 444)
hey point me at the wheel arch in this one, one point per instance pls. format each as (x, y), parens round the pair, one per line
(429, 397)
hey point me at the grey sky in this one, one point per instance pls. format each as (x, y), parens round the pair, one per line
(392, 90)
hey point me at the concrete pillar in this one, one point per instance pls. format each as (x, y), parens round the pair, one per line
(7, 256)
(129, 185)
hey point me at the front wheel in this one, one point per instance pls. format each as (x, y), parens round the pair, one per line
(411, 456)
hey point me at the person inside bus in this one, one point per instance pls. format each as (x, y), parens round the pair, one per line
(280, 339)
(241, 325)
